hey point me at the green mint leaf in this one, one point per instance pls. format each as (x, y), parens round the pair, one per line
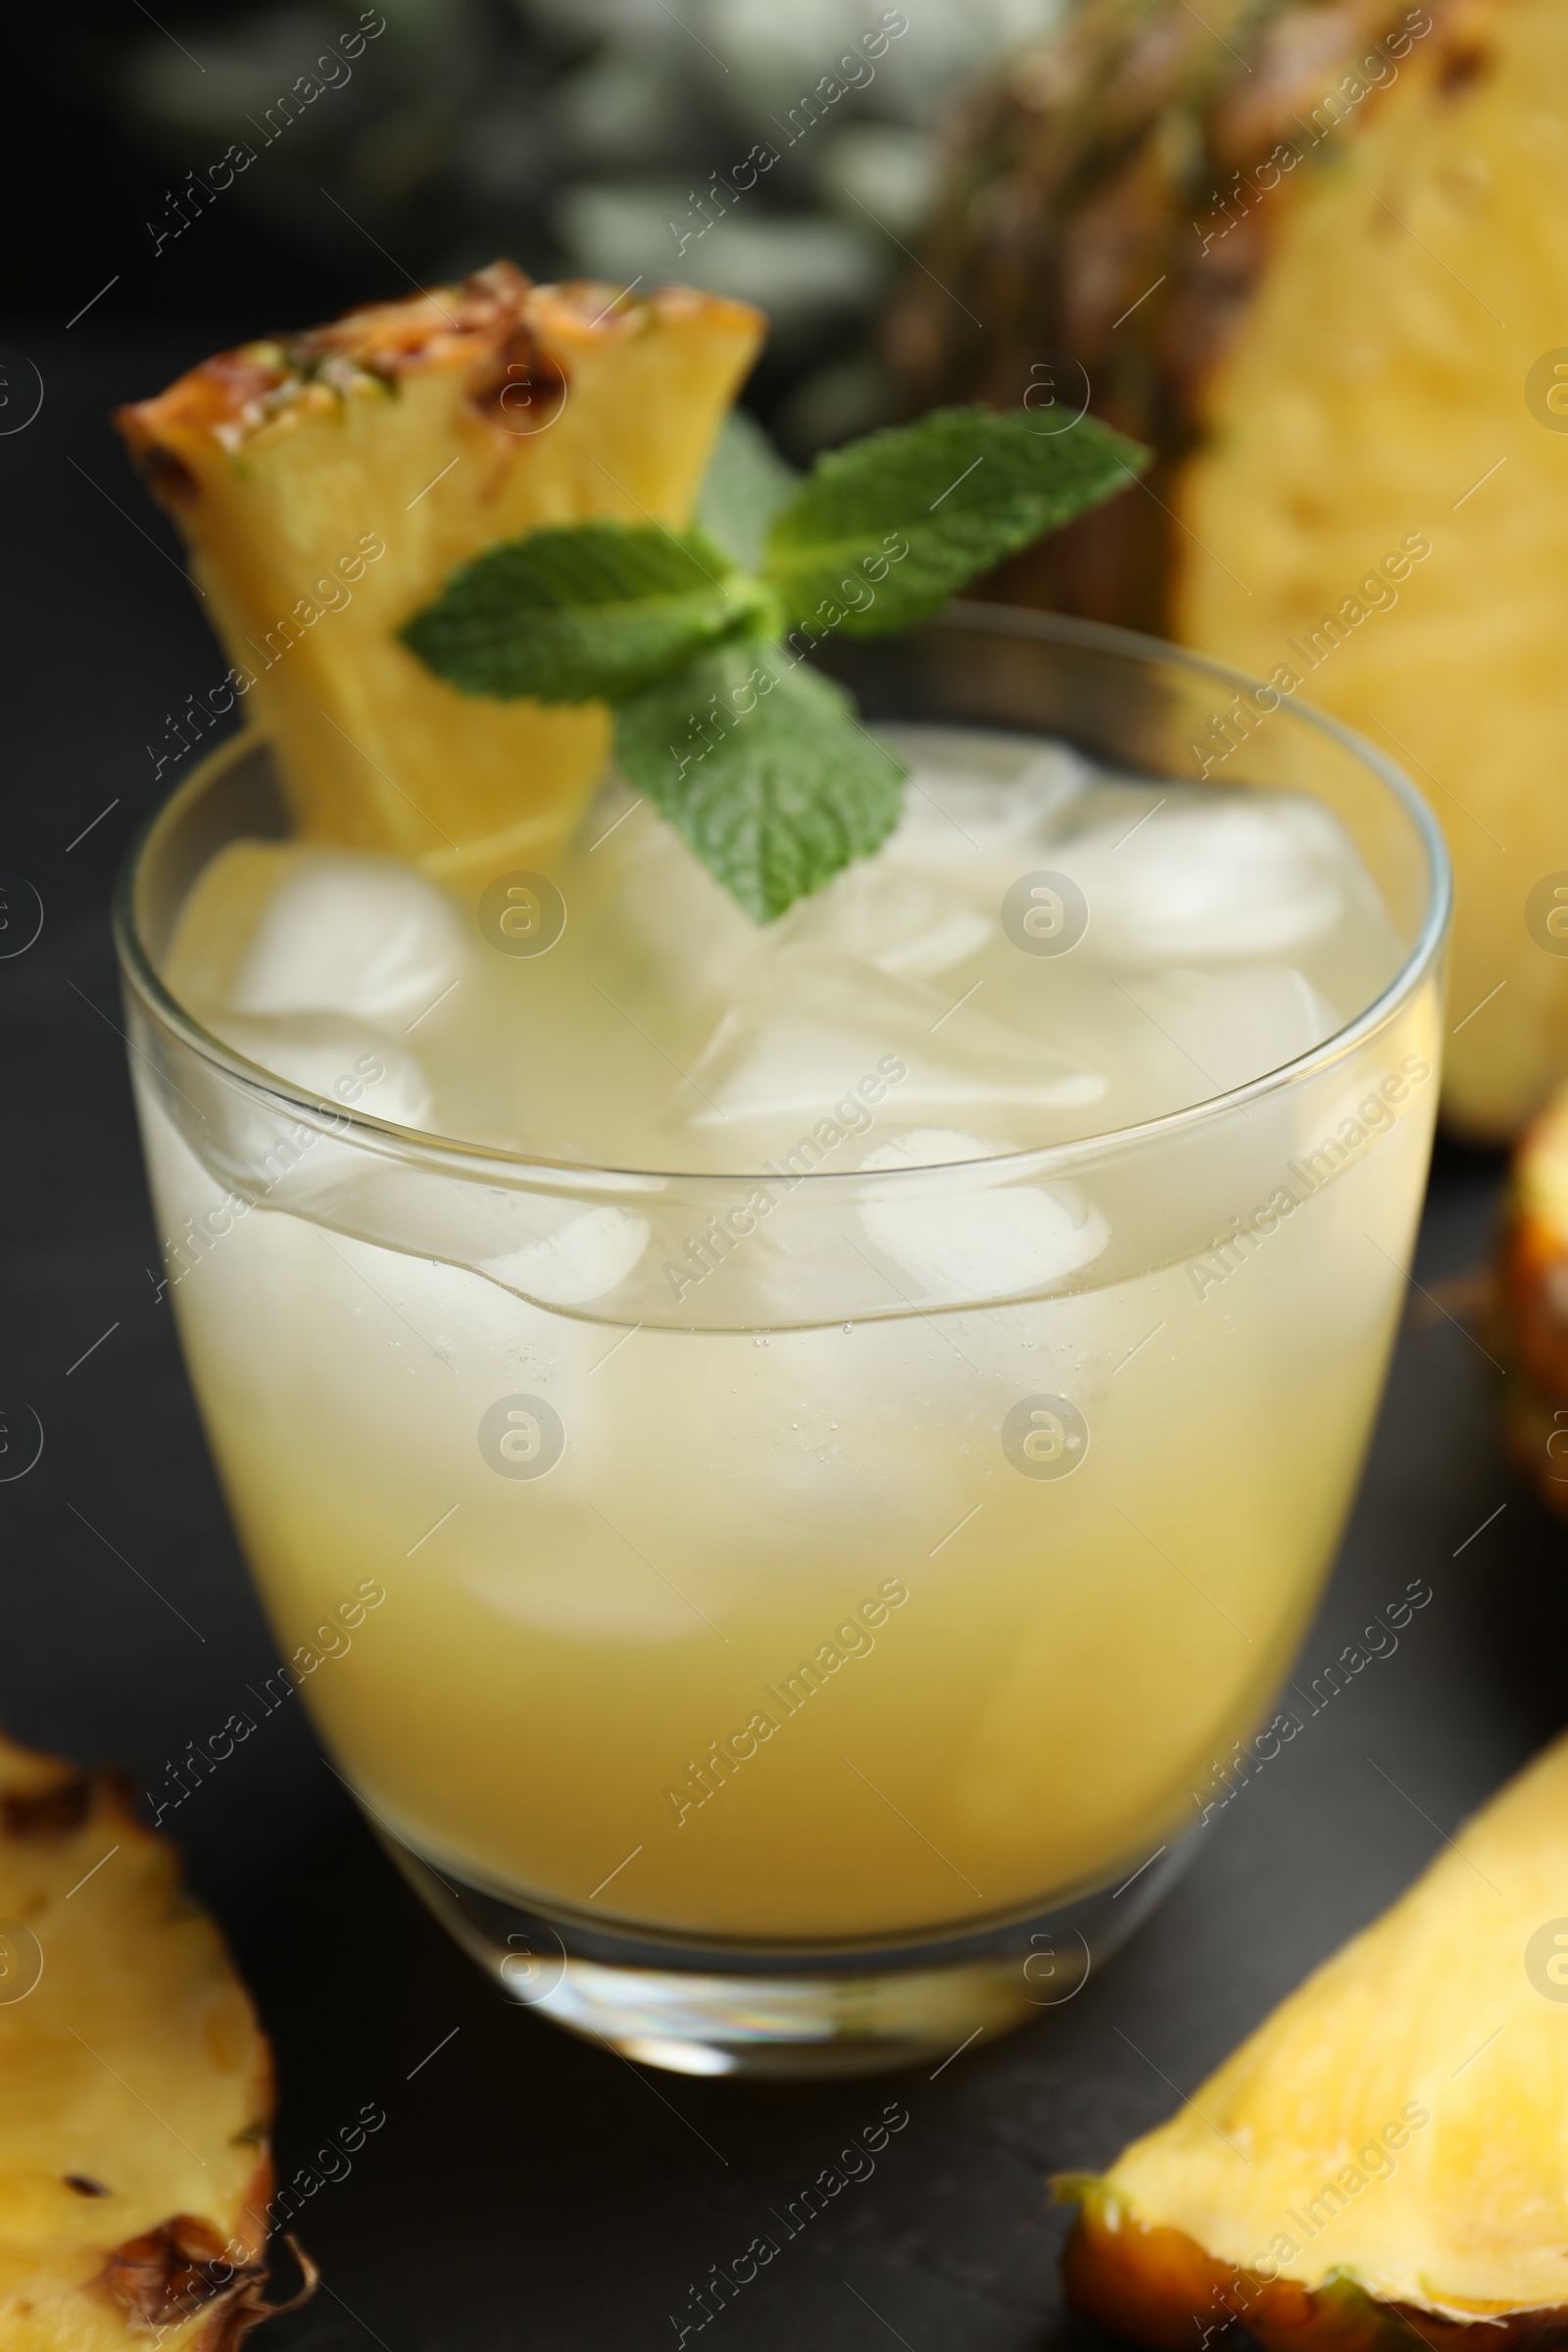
(746, 483)
(883, 532)
(582, 615)
(762, 769)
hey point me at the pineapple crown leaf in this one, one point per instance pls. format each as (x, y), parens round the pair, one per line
(762, 767)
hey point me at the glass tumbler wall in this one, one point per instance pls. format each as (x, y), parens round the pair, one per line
(787, 1665)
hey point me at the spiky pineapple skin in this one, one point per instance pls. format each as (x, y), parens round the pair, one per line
(1329, 356)
(136, 2086)
(328, 482)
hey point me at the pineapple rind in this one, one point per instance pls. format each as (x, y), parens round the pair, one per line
(134, 2063)
(1246, 2203)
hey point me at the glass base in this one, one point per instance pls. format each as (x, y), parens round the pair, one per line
(790, 2014)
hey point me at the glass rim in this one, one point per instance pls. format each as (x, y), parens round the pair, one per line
(480, 1160)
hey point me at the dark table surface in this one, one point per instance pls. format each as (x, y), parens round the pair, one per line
(527, 2190)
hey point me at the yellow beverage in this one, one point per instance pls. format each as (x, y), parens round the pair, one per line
(773, 1477)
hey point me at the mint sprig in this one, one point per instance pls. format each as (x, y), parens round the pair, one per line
(581, 615)
(698, 637)
(963, 488)
(746, 484)
(762, 769)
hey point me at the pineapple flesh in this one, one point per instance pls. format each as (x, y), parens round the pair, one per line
(1318, 256)
(1386, 2158)
(135, 2086)
(327, 483)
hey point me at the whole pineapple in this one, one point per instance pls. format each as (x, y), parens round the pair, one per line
(1316, 253)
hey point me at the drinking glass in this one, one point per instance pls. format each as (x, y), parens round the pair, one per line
(826, 1637)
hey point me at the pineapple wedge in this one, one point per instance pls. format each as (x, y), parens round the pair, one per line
(328, 483)
(135, 2086)
(1385, 2160)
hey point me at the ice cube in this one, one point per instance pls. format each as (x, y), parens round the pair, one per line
(953, 937)
(342, 1065)
(991, 1242)
(272, 930)
(1238, 1023)
(348, 1069)
(651, 908)
(975, 798)
(926, 903)
(590, 1252)
(974, 804)
(820, 1042)
(901, 922)
(1236, 877)
(608, 1592)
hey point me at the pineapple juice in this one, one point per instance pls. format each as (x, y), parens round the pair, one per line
(827, 1493)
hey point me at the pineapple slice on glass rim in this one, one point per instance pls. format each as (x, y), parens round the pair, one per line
(327, 483)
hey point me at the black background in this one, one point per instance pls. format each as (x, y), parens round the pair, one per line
(84, 181)
(526, 2191)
